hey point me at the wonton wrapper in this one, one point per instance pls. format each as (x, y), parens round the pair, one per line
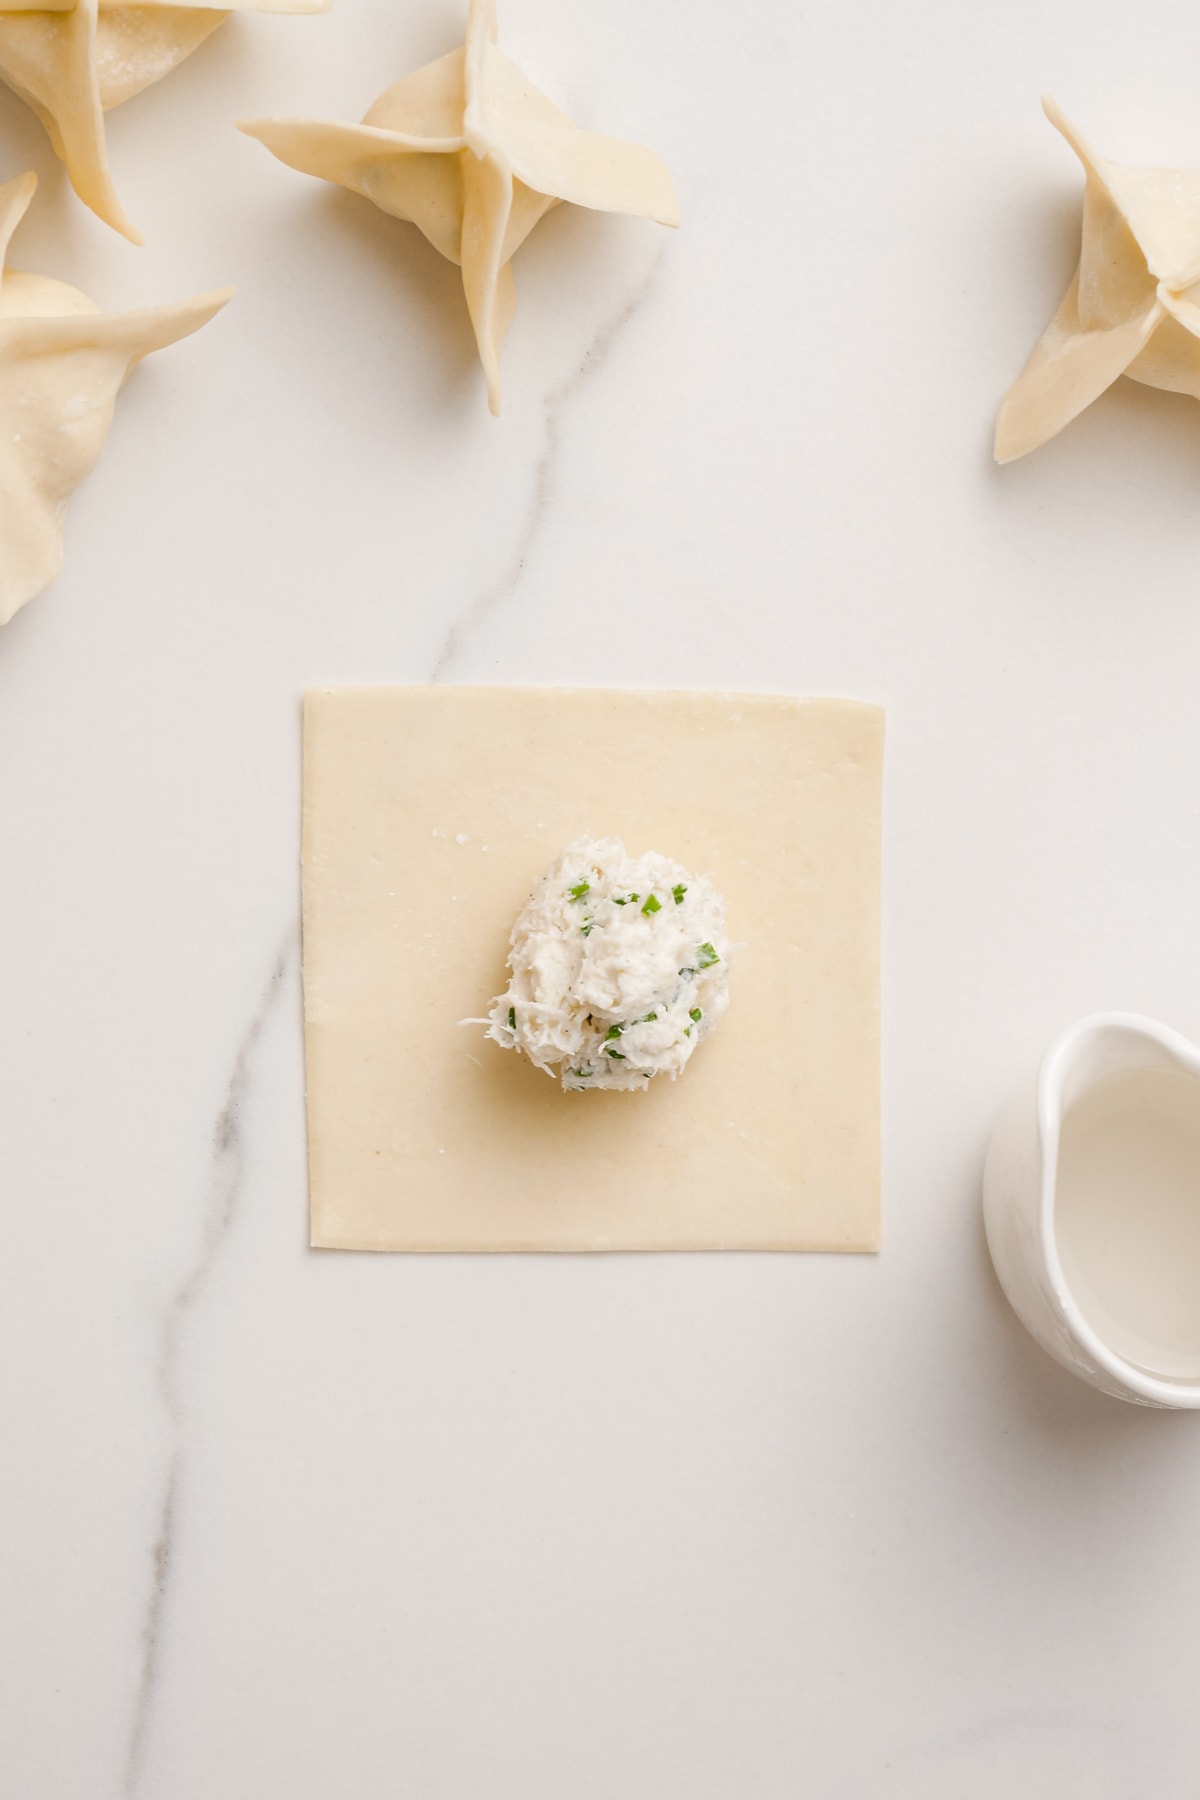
(1132, 307)
(425, 1136)
(62, 364)
(468, 150)
(74, 60)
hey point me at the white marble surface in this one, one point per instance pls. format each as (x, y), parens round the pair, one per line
(282, 1524)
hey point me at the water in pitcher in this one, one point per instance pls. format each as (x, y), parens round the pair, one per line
(1128, 1217)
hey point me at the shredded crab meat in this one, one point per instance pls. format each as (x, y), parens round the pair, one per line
(619, 969)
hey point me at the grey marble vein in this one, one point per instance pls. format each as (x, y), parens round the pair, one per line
(557, 401)
(224, 1192)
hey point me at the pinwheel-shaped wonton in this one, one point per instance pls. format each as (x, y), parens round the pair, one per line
(62, 363)
(1132, 308)
(469, 151)
(74, 60)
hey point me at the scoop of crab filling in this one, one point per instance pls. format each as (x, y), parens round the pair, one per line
(620, 968)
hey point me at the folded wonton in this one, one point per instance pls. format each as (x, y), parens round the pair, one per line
(74, 60)
(62, 363)
(1133, 307)
(469, 151)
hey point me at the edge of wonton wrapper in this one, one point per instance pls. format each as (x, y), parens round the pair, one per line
(32, 555)
(43, 476)
(15, 199)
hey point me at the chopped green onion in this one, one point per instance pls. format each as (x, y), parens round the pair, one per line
(696, 1014)
(582, 1074)
(687, 1031)
(586, 930)
(708, 956)
(649, 1018)
(617, 1055)
(686, 972)
(652, 905)
(512, 1018)
(678, 891)
(577, 893)
(614, 1031)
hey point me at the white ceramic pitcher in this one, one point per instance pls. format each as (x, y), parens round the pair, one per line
(1020, 1189)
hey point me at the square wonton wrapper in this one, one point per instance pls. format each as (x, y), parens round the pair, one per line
(428, 814)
